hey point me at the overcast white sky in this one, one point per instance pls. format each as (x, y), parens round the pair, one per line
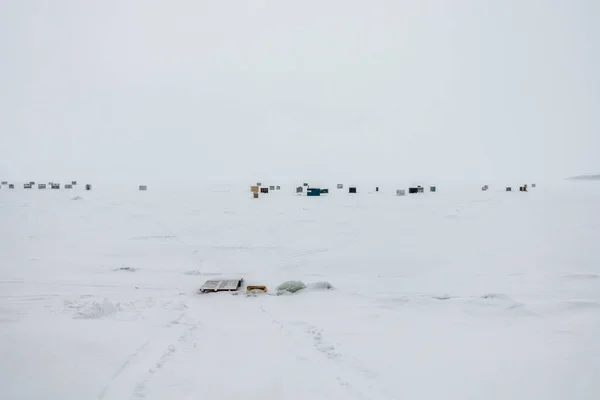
(231, 89)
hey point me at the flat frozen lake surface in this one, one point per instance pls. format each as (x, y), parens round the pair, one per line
(460, 294)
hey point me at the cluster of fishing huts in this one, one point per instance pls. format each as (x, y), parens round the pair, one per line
(259, 188)
(509, 188)
(306, 189)
(44, 186)
(54, 185)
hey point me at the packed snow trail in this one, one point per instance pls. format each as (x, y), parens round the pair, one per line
(249, 355)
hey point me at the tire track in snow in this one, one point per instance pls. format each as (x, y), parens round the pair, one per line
(122, 368)
(306, 253)
(158, 380)
(349, 374)
(171, 349)
(130, 379)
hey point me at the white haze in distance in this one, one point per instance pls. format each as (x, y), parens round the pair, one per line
(235, 90)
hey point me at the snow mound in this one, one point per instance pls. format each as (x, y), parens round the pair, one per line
(96, 310)
(290, 287)
(321, 285)
(77, 198)
(193, 273)
(127, 269)
(502, 302)
(255, 293)
(198, 273)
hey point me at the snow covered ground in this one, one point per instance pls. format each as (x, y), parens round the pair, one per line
(460, 294)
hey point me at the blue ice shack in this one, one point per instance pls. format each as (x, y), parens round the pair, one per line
(313, 192)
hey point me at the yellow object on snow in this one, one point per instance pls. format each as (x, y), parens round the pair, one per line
(259, 287)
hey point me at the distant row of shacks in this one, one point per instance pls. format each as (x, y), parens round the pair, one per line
(509, 188)
(54, 185)
(49, 185)
(259, 188)
(313, 191)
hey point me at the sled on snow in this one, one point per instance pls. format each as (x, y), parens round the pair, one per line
(221, 285)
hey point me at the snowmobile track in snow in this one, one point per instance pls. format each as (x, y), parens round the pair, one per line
(121, 387)
(344, 368)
